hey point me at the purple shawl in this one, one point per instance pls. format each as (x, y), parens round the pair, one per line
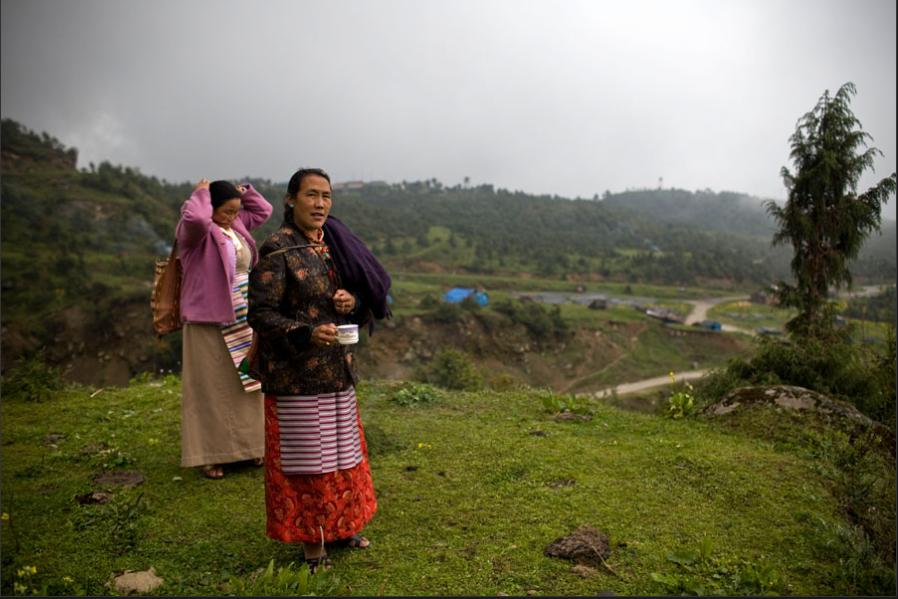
(359, 270)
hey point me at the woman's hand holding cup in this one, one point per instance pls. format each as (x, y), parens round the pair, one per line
(324, 334)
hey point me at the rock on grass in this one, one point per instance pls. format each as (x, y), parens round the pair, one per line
(137, 582)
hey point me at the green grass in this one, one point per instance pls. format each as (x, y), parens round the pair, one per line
(750, 316)
(869, 331)
(466, 501)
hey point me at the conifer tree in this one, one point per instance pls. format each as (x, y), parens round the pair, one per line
(824, 219)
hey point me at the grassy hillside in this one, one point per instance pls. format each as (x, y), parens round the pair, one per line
(471, 489)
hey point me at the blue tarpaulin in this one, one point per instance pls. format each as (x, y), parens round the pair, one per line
(458, 294)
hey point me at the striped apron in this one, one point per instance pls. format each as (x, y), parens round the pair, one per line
(238, 336)
(319, 433)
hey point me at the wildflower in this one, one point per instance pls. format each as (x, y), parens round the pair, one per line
(19, 588)
(68, 579)
(5, 517)
(153, 441)
(20, 573)
(31, 569)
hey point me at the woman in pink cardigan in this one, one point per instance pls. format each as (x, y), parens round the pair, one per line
(222, 418)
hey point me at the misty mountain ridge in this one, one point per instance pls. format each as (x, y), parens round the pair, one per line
(725, 211)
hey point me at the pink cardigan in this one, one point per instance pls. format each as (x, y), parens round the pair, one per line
(207, 281)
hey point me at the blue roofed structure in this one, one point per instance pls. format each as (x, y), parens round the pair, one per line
(456, 295)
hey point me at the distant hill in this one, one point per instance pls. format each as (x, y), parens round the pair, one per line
(726, 211)
(741, 214)
(509, 232)
(78, 245)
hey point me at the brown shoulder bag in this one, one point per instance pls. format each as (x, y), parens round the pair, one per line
(166, 298)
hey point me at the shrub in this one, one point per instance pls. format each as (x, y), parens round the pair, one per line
(415, 394)
(469, 304)
(32, 380)
(503, 381)
(446, 312)
(453, 369)
(429, 301)
(863, 482)
(543, 323)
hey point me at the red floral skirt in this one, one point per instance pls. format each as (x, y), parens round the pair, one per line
(305, 507)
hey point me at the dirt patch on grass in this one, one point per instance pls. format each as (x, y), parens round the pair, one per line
(572, 417)
(586, 546)
(125, 478)
(94, 497)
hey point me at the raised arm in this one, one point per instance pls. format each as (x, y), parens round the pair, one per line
(256, 209)
(196, 215)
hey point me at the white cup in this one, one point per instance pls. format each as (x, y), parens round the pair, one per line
(347, 334)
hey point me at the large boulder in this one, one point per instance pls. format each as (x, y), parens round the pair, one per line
(798, 400)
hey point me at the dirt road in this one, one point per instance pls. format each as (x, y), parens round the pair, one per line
(658, 381)
(700, 307)
(699, 313)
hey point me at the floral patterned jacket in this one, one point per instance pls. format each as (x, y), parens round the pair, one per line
(290, 293)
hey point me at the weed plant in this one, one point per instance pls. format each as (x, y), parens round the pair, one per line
(681, 402)
(287, 581)
(415, 394)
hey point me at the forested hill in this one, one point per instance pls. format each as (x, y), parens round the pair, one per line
(78, 244)
(725, 211)
(490, 230)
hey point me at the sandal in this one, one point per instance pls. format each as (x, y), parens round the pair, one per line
(323, 562)
(214, 472)
(354, 542)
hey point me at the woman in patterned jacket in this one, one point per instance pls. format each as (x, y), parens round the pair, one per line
(313, 274)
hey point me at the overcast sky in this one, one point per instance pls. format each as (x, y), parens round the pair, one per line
(560, 96)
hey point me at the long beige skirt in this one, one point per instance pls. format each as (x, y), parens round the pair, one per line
(220, 422)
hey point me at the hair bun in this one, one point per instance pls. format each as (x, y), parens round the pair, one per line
(221, 192)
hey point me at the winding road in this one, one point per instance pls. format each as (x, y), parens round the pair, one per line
(700, 308)
(658, 381)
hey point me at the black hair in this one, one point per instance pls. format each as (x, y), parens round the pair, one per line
(296, 180)
(294, 185)
(221, 192)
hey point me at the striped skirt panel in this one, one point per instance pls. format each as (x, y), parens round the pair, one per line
(319, 433)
